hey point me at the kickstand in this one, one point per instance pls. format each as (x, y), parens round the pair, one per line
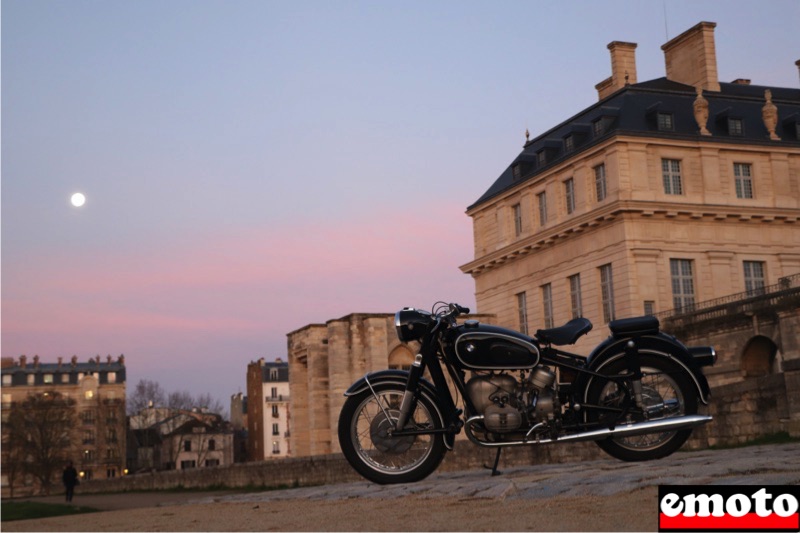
(495, 472)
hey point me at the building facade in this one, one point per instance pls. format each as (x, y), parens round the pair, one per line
(269, 414)
(95, 390)
(662, 194)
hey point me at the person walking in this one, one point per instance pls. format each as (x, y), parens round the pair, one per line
(70, 479)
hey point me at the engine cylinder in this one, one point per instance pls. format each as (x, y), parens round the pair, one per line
(502, 419)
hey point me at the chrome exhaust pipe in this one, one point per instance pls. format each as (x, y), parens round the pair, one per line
(622, 430)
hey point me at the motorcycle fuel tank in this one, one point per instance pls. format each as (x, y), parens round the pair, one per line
(484, 347)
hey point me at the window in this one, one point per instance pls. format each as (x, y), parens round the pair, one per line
(276, 448)
(274, 392)
(682, 283)
(569, 195)
(275, 430)
(112, 453)
(516, 171)
(111, 472)
(665, 122)
(541, 158)
(88, 416)
(88, 456)
(542, 208)
(64, 378)
(547, 305)
(88, 394)
(6, 379)
(517, 208)
(212, 462)
(598, 128)
(569, 143)
(575, 295)
(212, 445)
(671, 174)
(600, 182)
(743, 175)
(275, 411)
(735, 127)
(111, 435)
(649, 307)
(185, 465)
(607, 292)
(522, 312)
(754, 280)
(111, 377)
(273, 374)
(31, 379)
(187, 445)
(48, 379)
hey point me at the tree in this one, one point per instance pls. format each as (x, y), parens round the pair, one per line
(146, 394)
(42, 424)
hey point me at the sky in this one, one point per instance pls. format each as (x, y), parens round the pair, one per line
(252, 167)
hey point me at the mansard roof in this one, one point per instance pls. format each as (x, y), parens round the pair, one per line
(634, 109)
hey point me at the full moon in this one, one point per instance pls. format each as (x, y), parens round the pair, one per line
(78, 199)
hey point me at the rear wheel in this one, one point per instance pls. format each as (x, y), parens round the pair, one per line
(365, 426)
(666, 393)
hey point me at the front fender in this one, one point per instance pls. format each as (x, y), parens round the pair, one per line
(400, 377)
(659, 344)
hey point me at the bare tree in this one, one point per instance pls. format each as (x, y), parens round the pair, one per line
(42, 424)
(146, 393)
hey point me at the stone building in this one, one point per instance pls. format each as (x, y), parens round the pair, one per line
(325, 359)
(96, 392)
(268, 415)
(664, 193)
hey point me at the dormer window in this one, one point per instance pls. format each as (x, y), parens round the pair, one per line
(598, 128)
(516, 170)
(569, 143)
(664, 121)
(735, 127)
(541, 158)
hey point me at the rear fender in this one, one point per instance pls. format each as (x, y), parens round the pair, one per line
(660, 345)
(400, 377)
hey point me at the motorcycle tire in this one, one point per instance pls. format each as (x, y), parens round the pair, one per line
(374, 453)
(665, 385)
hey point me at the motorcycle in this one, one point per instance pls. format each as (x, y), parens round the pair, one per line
(636, 395)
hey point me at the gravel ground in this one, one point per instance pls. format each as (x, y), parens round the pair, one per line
(603, 495)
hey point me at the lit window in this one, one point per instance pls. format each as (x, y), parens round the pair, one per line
(64, 378)
(6, 379)
(31, 379)
(743, 176)
(48, 379)
(112, 377)
(88, 394)
(671, 175)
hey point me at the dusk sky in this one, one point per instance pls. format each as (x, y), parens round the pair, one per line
(251, 167)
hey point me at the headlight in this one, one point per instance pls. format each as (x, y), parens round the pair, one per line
(411, 324)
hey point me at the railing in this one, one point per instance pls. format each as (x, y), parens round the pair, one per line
(743, 302)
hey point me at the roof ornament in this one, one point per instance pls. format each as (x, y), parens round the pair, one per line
(701, 111)
(527, 135)
(769, 114)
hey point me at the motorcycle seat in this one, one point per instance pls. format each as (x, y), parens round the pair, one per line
(569, 333)
(633, 327)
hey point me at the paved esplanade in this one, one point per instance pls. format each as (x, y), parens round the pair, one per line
(753, 465)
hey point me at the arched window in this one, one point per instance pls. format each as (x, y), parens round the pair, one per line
(401, 358)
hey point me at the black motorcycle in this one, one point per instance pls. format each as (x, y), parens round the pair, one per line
(636, 394)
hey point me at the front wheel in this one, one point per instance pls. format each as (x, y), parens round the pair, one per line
(365, 426)
(666, 393)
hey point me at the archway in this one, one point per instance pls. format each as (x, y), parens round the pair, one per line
(401, 358)
(759, 357)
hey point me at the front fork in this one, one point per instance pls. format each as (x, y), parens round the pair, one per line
(407, 404)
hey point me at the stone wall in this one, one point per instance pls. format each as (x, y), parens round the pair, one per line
(742, 411)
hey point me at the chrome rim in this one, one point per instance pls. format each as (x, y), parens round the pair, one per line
(370, 432)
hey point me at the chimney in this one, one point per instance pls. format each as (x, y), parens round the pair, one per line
(108, 359)
(35, 361)
(74, 360)
(23, 361)
(60, 361)
(121, 359)
(691, 57)
(623, 68)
